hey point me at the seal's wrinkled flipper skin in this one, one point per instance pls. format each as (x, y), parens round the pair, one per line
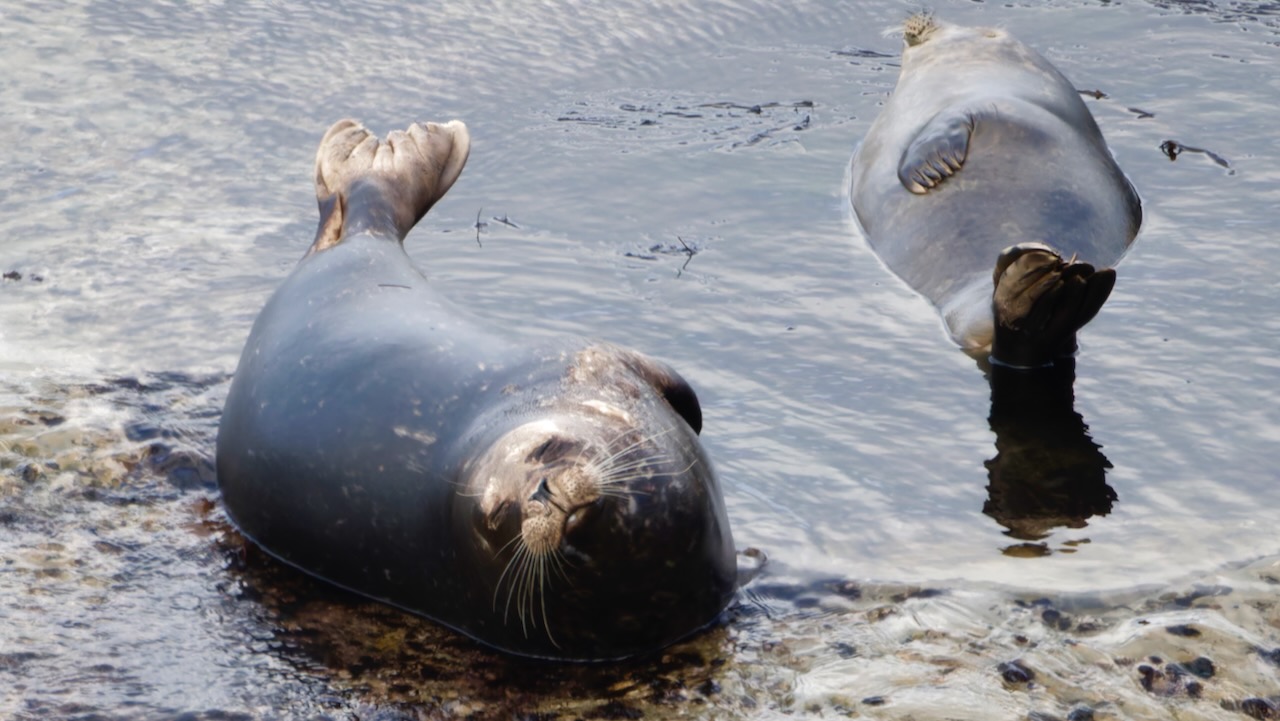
(1041, 300)
(363, 183)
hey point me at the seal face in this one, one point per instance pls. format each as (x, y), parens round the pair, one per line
(548, 500)
(986, 155)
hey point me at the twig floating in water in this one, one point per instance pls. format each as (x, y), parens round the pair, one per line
(1172, 149)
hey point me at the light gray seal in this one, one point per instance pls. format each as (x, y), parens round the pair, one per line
(547, 499)
(986, 185)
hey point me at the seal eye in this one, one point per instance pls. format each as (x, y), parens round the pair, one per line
(554, 449)
(580, 518)
(573, 521)
(497, 515)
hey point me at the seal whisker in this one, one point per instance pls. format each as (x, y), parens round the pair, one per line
(519, 581)
(633, 446)
(525, 591)
(542, 597)
(604, 450)
(558, 562)
(609, 467)
(621, 494)
(638, 462)
(631, 470)
(615, 475)
(613, 481)
(511, 563)
(514, 540)
(687, 468)
(609, 461)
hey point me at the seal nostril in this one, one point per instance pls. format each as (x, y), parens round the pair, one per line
(542, 492)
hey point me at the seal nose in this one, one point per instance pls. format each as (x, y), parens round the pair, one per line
(543, 493)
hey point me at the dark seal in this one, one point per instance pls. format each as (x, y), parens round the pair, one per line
(986, 185)
(549, 500)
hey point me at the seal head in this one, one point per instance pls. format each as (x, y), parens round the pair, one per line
(593, 536)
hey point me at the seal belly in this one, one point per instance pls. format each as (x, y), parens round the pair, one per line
(984, 146)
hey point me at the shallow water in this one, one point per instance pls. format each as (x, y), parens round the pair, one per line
(671, 179)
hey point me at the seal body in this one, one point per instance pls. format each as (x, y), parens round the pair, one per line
(982, 171)
(548, 500)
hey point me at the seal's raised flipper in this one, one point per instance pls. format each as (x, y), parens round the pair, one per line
(937, 152)
(1040, 301)
(384, 186)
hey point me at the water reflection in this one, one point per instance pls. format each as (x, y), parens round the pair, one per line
(1047, 471)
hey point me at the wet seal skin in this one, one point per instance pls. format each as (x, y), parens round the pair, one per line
(986, 185)
(549, 500)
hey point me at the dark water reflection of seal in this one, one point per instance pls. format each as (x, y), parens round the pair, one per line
(1047, 471)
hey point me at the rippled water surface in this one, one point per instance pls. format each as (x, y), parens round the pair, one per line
(668, 176)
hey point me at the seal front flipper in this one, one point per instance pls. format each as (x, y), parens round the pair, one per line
(363, 184)
(1040, 301)
(937, 152)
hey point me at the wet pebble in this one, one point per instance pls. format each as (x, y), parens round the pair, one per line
(1200, 667)
(847, 589)
(1015, 672)
(1056, 619)
(1258, 708)
(1172, 681)
(844, 650)
(30, 472)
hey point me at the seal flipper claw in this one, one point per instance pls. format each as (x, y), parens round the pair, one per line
(1040, 301)
(937, 152)
(384, 186)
